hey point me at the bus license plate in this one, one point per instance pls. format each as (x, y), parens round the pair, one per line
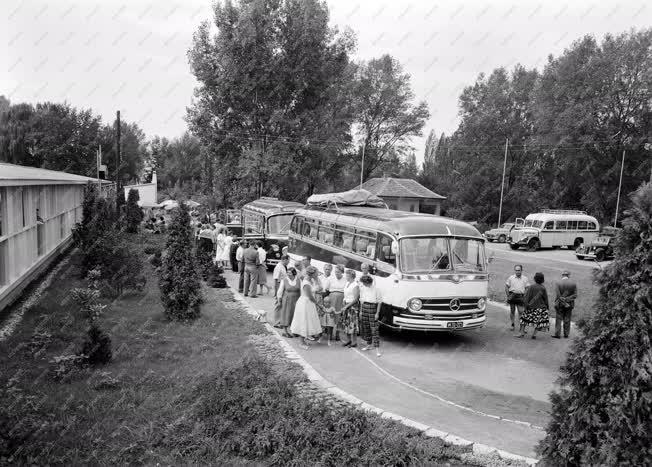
(455, 324)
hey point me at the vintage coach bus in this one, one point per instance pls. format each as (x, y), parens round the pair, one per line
(268, 219)
(432, 270)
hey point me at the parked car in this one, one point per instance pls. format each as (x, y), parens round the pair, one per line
(601, 248)
(499, 234)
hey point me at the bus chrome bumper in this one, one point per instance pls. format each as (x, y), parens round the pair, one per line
(403, 323)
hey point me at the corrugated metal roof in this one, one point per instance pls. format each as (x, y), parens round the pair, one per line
(399, 188)
(12, 175)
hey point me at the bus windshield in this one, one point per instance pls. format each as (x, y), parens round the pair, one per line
(279, 224)
(438, 254)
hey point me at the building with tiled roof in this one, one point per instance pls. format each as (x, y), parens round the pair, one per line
(405, 194)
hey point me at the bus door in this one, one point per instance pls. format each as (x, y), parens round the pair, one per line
(385, 266)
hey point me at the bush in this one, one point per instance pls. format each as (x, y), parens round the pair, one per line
(602, 413)
(152, 250)
(259, 415)
(133, 213)
(178, 279)
(97, 346)
(215, 278)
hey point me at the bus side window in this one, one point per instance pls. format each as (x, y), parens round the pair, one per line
(347, 241)
(572, 225)
(560, 225)
(294, 225)
(592, 226)
(305, 228)
(313, 230)
(581, 225)
(549, 225)
(384, 250)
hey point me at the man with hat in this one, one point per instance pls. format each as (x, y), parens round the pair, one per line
(564, 303)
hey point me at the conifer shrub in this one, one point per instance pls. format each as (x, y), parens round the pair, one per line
(215, 278)
(133, 213)
(602, 415)
(178, 279)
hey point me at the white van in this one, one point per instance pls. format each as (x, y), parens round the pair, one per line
(553, 229)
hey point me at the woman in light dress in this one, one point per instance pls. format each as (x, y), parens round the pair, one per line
(225, 259)
(305, 322)
(336, 292)
(288, 293)
(220, 239)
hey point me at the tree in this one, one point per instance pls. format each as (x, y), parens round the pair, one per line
(601, 415)
(133, 213)
(385, 114)
(272, 103)
(178, 280)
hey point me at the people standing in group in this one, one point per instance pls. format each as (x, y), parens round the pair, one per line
(535, 314)
(305, 263)
(370, 303)
(262, 268)
(566, 294)
(287, 294)
(251, 263)
(515, 287)
(280, 273)
(336, 292)
(305, 322)
(348, 319)
(239, 257)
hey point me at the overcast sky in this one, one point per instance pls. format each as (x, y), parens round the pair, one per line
(131, 55)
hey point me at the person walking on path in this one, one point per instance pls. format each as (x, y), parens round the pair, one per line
(536, 308)
(515, 287)
(305, 322)
(566, 294)
(239, 258)
(288, 293)
(280, 273)
(225, 258)
(370, 302)
(350, 311)
(262, 268)
(251, 262)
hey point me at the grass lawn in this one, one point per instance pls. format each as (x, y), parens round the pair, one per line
(500, 269)
(178, 393)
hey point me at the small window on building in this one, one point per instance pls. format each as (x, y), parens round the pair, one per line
(62, 225)
(23, 204)
(411, 207)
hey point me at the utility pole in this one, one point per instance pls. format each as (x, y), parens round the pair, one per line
(364, 145)
(620, 184)
(117, 159)
(502, 185)
(99, 162)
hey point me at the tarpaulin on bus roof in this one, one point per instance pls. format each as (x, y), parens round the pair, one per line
(347, 198)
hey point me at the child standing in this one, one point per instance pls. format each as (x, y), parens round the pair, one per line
(328, 319)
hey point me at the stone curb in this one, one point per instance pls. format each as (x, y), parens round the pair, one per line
(506, 308)
(316, 378)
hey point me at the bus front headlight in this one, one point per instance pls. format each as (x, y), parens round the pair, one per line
(415, 304)
(482, 303)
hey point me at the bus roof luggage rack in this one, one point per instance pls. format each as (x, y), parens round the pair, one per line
(347, 198)
(563, 211)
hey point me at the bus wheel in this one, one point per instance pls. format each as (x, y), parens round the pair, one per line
(533, 245)
(513, 246)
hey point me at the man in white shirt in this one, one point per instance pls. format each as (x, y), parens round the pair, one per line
(239, 257)
(515, 286)
(262, 267)
(371, 302)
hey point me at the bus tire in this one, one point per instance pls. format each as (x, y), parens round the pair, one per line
(513, 246)
(533, 245)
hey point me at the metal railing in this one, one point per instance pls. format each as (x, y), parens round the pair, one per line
(563, 211)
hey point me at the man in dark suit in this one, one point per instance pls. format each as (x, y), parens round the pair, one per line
(564, 303)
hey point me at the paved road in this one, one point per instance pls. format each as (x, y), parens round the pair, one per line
(458, 383)
(563, 257)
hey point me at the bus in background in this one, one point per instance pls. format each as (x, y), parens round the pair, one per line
(432, 270)
(552, 228)
(268, 219)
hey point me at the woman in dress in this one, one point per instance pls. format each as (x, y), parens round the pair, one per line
(336, 292)
(226, 252)
(220, 240)
(351, 310)
(306, 321)
(288, 293)
(536, 308)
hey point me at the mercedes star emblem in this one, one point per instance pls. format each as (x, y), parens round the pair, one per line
(454, 304)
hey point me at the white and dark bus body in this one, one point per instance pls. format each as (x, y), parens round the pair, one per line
(268, 220)
(432, 270)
